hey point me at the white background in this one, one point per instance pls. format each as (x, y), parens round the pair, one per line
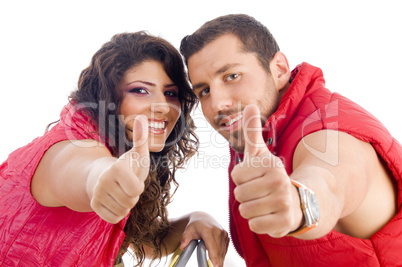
(44, 46)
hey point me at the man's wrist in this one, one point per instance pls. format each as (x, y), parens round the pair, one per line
(297, 211)
(309, 208)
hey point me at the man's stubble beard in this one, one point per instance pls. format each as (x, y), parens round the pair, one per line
(236, 138)
(236, 141)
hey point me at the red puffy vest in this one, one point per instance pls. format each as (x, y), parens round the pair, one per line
(308, 107)
(33, 235)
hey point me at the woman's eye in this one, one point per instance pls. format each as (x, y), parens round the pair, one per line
(138, 90)
(231, 77)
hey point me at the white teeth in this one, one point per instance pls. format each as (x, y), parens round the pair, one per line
(156, 125)
(234, 120)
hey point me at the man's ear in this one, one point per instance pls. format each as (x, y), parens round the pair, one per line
(280, 70)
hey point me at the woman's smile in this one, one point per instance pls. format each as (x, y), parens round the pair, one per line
(149, 91)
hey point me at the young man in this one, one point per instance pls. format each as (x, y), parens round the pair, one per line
(314, 177)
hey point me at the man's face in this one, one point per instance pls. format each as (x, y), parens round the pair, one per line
(225, 80)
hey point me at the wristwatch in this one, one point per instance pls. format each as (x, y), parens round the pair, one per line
(309, 206)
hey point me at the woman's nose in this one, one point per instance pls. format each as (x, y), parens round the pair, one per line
(160, 106)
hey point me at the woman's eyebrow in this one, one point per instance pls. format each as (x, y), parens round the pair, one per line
(140, 81)
(151, 84)
(170, 85)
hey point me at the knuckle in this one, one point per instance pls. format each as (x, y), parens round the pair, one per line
(254, 226)
(243, 211)
(133, 202)
(94, 204)
(191, 231)
(115, 168)
(224, 234)
(277, 182)
(234, 174)
(285, 220)
(141, 186)
(238, 194)
(224, 237)
(288, 205)
(121, 211)
(220, 233)
(116, 219)
(112, 220)
(103, 181)
(284, 202)
(277, 234)
(136, 188)
(284, 225)
(124, 213)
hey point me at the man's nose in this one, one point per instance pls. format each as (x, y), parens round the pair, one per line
(221, 99)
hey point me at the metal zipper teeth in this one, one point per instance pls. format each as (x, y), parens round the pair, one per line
(236, 243)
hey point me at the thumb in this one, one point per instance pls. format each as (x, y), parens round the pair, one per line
(187, 236)
(138, 155)
(185, 240)
(252, 132)
(140, 136)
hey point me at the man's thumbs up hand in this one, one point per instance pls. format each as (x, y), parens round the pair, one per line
(263, 187)
(252, 132)
(119, 187)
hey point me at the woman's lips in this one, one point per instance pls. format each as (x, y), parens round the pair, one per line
(157, 126)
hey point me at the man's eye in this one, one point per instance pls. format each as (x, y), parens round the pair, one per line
(231, 77)
(203, 92)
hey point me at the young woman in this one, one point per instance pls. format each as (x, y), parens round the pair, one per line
(100, 179)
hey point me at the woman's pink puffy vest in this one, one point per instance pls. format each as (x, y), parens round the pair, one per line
(33, 235)
(308, 107)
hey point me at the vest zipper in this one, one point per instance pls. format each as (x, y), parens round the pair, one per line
(232, 227)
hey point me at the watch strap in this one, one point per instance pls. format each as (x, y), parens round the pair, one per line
(304, 228)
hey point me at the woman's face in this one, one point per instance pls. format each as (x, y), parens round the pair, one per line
(147, 90)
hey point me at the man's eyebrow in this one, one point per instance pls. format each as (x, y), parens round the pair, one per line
(221, 70)
(198, 86)
(225, 68)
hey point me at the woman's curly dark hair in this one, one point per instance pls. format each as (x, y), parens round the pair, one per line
(148, 221)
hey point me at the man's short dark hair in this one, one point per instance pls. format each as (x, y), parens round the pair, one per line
(255, 37)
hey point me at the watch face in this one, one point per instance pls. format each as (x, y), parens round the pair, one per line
(315, 211)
